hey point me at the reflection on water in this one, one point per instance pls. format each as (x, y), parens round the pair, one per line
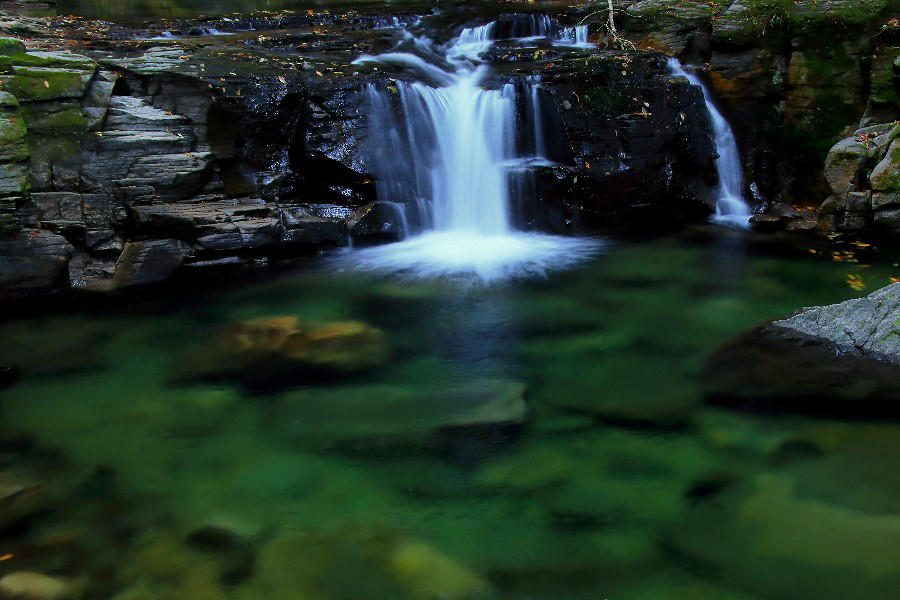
(540, 439)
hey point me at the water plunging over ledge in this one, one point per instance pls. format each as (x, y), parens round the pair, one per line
(445, 149)
(731, 209)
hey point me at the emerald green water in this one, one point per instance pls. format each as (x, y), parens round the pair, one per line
(364, 488)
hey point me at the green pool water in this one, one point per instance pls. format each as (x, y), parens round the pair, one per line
(621, 483)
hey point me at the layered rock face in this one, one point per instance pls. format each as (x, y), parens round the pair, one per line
(125, 167)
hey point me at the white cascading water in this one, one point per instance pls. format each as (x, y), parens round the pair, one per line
(445, 149)
(731, 209)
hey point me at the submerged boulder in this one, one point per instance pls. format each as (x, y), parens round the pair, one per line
(370, 417)
(779, 536)
(837, 360)
(383, 565)
(267, 351)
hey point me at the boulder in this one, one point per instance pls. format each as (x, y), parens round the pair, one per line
(844, 163)
(838, 360)
(868, 326)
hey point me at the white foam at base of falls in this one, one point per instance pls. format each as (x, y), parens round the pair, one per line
(470, 255)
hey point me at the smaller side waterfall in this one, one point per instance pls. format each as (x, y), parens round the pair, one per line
(731, 209)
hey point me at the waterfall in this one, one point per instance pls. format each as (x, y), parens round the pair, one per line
(574, 36)
(731, 209)
(445, 148)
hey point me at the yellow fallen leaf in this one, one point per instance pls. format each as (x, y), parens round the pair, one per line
(46, 84)
(319, 73)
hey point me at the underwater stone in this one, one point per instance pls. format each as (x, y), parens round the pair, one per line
(29, 585)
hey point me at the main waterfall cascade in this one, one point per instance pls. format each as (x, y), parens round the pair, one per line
(444, 151)
(731, 209)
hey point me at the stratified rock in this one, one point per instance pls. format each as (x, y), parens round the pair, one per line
(33, 263)
(30, 84)
(149, 262)
(838, 360)
(29, 585)
(269, 350)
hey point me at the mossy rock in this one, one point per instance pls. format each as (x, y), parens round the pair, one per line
(7, 100)
(32, 84)
(885, 177)
(70, 120)
(63, 60)
(10, 45)
(12, 138)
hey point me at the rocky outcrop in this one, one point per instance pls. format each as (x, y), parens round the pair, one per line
(868, 326)
(641, 153)
(863, 172)
(838, 360)
(792, 76)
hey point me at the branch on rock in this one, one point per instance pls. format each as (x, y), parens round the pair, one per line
(614, 38)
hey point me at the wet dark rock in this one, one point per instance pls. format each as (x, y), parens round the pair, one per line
(839, 360)
(33, 263)
(149, 262)
(8, 375)
(641, 145)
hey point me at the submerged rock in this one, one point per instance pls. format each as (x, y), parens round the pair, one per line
(382, 566)
(372, 417)
(19, 499)
(29, 585)
(267, 351)
(829, 360)
(774, 537)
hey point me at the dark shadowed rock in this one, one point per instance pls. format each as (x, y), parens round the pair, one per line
(149, 262)
(33, 263)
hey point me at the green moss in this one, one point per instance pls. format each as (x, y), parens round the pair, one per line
(10, 45)
(70, 120)
(31, 84)
(65, 60)
(12, 128)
